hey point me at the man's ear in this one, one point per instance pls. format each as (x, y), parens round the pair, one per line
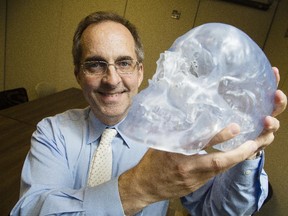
(77, 75)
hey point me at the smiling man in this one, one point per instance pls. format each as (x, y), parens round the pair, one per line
(109, 91)
(108, 58)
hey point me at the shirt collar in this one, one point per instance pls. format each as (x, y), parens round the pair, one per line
(96, 128)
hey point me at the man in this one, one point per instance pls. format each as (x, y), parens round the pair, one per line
(108, 58)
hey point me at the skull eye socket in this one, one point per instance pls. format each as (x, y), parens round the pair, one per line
(194, 68)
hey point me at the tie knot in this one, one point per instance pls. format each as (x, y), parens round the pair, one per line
(108, 135)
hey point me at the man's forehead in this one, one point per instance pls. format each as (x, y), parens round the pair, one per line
(107, 39)
(107, 29)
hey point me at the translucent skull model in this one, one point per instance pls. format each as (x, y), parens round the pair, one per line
(211, 76)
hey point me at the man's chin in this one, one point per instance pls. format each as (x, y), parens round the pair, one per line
(111, 116)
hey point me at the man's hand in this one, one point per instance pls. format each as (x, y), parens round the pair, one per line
(271, 124)
(162, 175)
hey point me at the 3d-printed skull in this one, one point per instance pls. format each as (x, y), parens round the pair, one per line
(211, 76)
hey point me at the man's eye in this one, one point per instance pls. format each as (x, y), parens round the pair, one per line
(95, 64)
(125, 63)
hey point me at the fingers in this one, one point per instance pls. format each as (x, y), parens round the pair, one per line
(227, 133)
(280, 103)
(277, 75)
(280, 99)
(218, 162)
(270, 124)
(267, 137)
(242, 152)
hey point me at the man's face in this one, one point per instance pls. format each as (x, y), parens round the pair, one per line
(109, 95)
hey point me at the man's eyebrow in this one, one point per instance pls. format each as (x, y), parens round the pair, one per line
(100, 58)
(94, 58)
(120, 58)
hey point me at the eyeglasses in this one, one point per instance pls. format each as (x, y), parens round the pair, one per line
(100, 67)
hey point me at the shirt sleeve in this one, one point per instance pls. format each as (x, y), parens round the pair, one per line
(239, 191)
(48, 182)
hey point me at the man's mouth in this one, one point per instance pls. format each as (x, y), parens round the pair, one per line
(111, 94)
(111, 97)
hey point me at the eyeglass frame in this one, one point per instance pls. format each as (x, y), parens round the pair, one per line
(117, 68)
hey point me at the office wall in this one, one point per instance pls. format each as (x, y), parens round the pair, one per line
(39, 40)
(2, 41)
(276, 165)
(39, 33)
(252, 21)
(276, 47)
(158, 30)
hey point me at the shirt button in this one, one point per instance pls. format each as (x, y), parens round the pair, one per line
(247, 172)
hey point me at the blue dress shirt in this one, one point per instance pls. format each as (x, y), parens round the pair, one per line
(55, 173)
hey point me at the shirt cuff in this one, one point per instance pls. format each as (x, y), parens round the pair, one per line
(258, 155)
(103, 199)
(246, 171)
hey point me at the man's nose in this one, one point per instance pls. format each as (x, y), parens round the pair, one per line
(111, 76)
